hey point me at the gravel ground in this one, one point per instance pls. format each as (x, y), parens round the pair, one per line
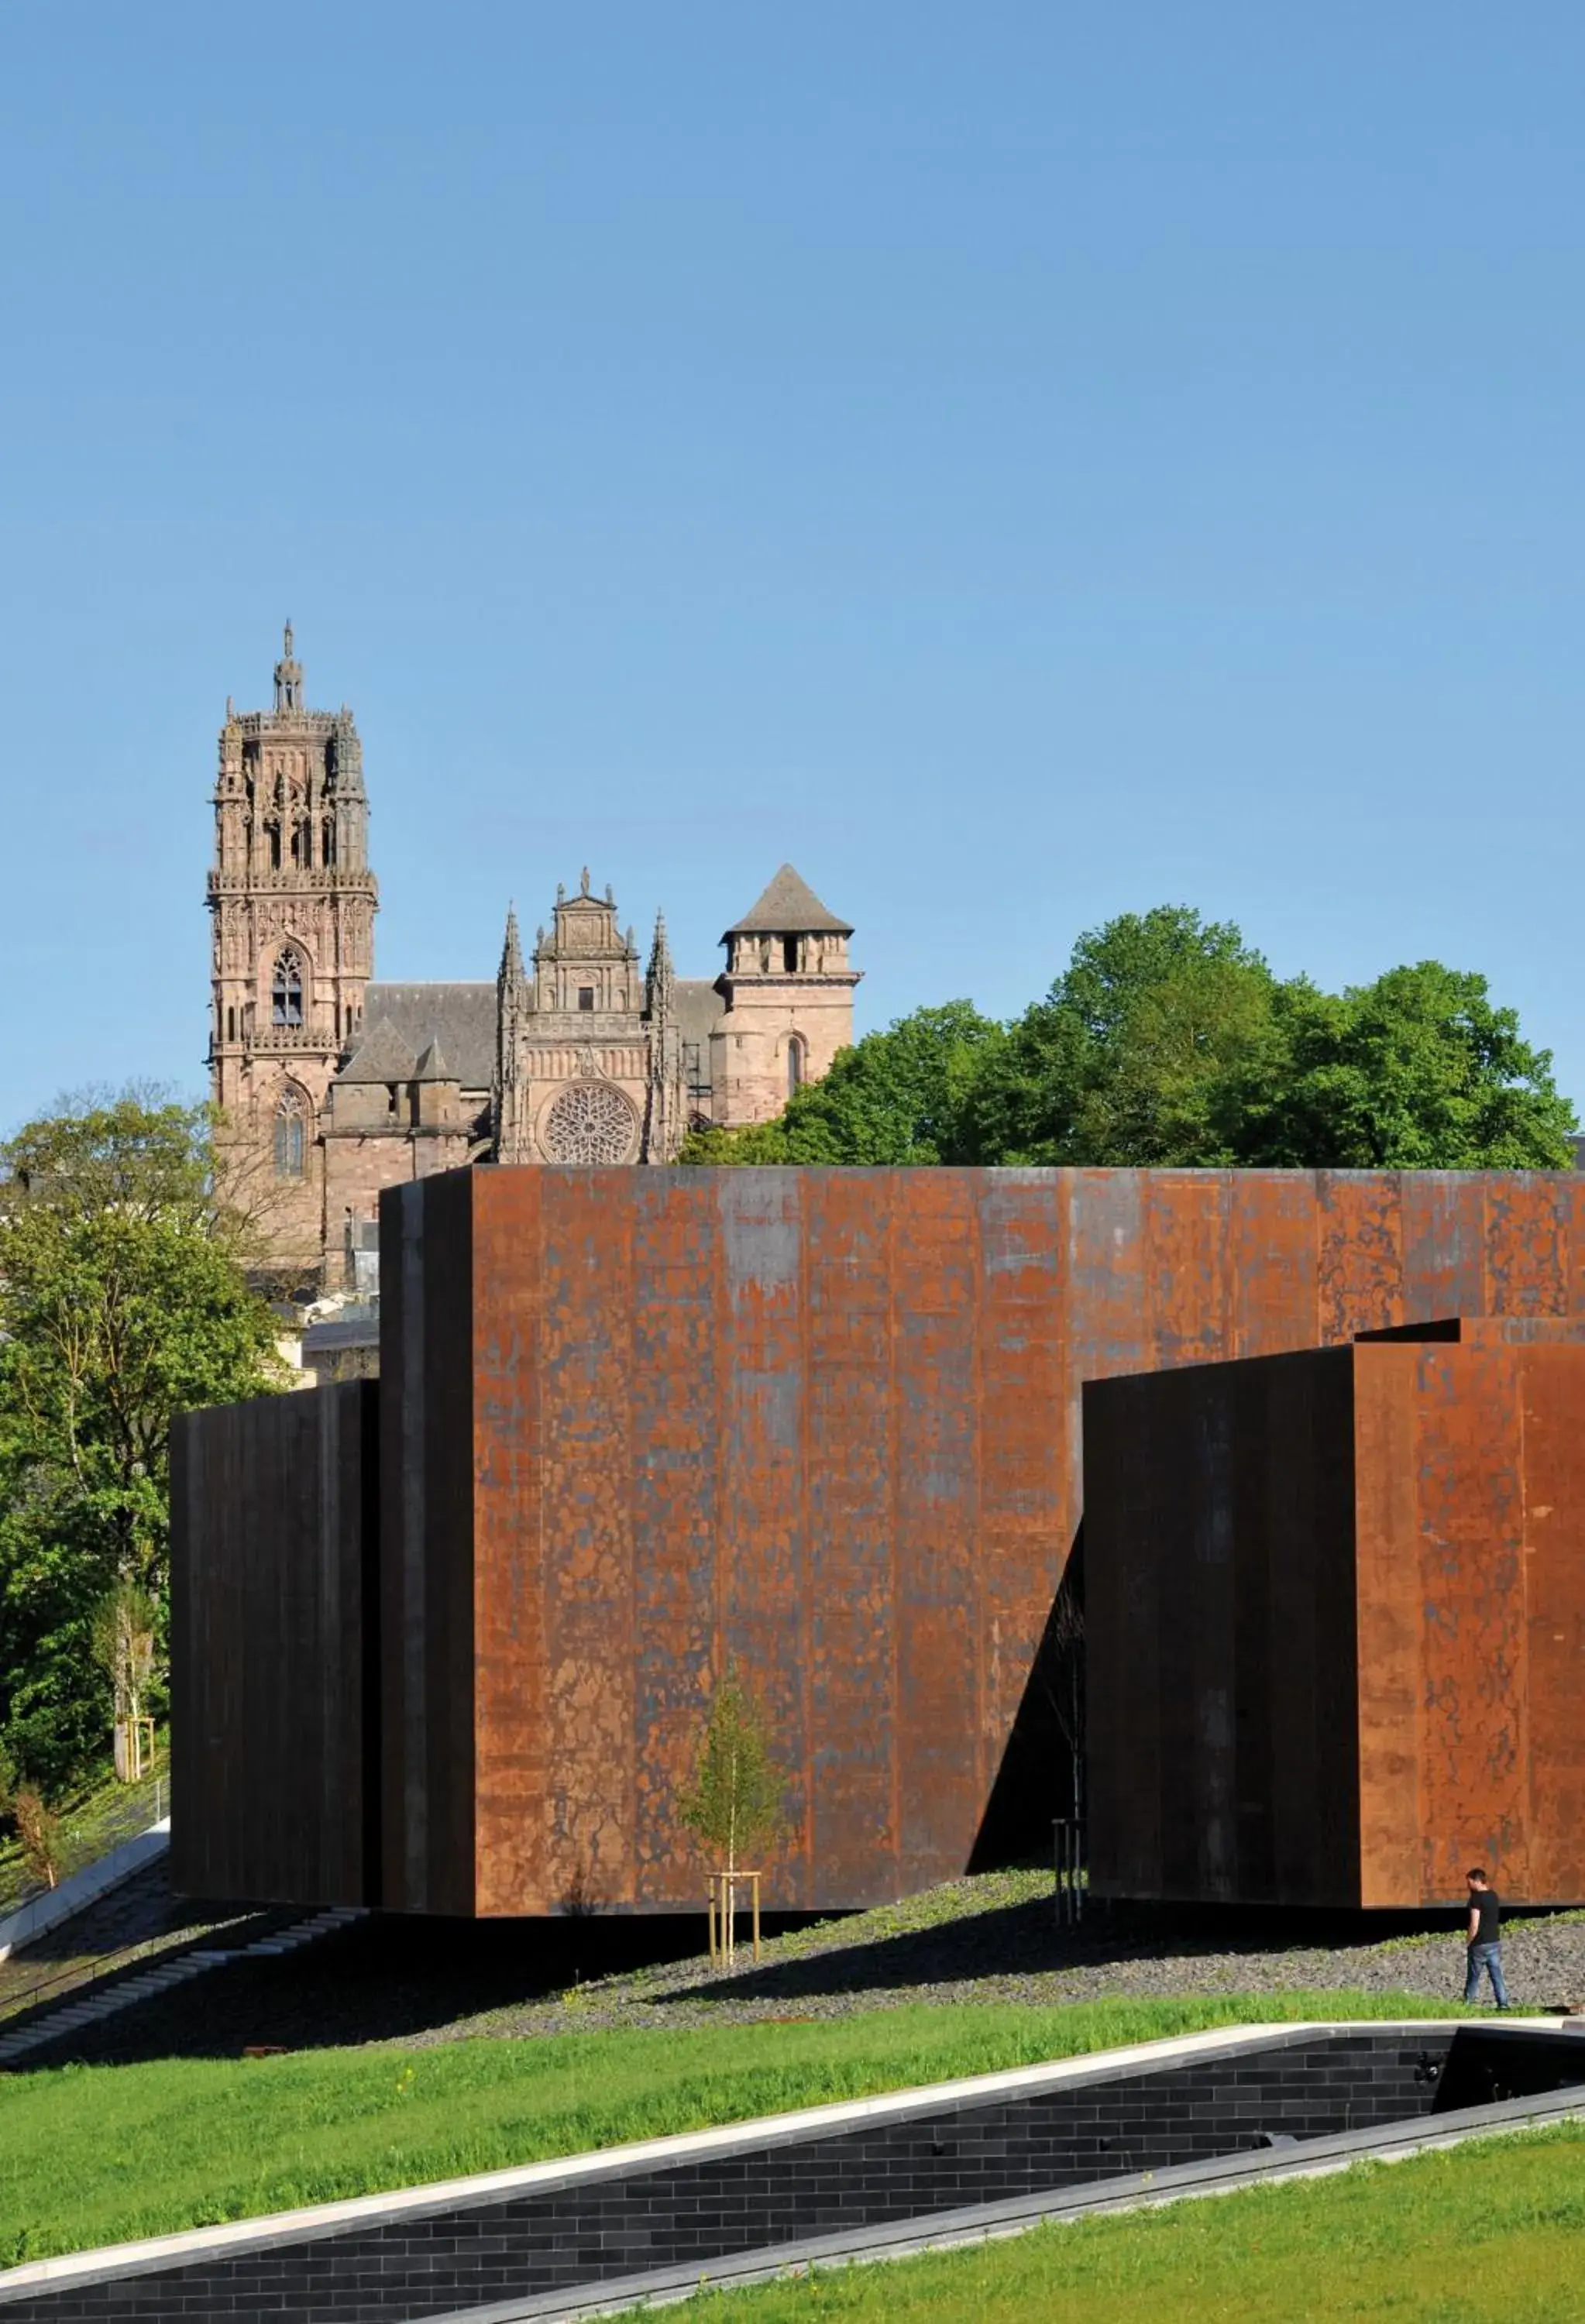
(992, 1939)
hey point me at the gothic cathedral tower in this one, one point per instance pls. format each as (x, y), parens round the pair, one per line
(293, 902)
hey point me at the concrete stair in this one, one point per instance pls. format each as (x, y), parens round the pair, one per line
(89, 2006)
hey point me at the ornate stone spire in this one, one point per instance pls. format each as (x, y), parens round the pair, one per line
(509, 1098)
(659, 984)
(512, 976)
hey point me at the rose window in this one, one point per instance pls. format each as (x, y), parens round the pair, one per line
(589, 1122)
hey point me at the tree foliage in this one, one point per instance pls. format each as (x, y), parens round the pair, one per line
(900, 1096)
(1167, 1042)
(1417, 1071)
(123, 1301)
(733, 1804)
(1124, 1061)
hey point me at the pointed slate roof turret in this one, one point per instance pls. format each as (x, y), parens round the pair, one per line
(383, 1056)
(788, 909)
(432, 1065)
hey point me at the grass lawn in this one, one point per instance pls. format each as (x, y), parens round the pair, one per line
(1498, 2224)
(97, 2154)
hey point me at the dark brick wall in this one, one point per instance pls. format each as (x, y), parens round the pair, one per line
(910, 2164)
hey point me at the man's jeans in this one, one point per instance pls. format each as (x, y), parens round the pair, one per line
(1489, 1959)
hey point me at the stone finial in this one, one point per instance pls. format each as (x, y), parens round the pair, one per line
(561, 892)
(610, 895)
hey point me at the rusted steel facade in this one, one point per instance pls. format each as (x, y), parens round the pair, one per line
(825, 1424)
(1336, 1622)
(273, 1648)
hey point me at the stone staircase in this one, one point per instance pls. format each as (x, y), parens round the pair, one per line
(88, 2006)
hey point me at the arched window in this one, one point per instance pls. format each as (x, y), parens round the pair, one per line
(286, 992)
(292, 1119)
(795, 1064)
(327, 844)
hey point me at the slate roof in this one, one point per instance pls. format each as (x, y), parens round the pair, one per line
(381, 1056)
(788, 909)
(698, 1007)
(460, 1017)
(432, 1065)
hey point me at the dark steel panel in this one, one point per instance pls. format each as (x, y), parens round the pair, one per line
(514, 1777)
(273, 1524)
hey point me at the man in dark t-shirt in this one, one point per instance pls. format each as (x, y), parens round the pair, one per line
(1484, 1941)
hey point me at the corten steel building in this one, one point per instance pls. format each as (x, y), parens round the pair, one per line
(1336, 1620)
(634, 1428)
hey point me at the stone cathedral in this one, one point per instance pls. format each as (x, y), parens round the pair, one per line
(332, 1085)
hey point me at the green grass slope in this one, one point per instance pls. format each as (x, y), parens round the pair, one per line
(97, 2154)
(1496, 2226)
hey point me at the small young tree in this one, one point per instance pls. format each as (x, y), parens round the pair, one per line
(734, 1802)
(124, 1647)
(38, 1828)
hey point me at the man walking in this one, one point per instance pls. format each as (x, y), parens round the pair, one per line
(1484, 1941)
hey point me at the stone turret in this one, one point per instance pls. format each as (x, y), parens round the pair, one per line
(788, 988)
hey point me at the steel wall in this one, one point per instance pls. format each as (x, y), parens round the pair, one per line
(1470, 1463)
(274, 1567)
(825, 1424)
(1337, 1624)
(1218, 1576)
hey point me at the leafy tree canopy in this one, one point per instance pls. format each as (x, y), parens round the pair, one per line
(1169, 1042)
(901, 1096)
(122, 1302)
(1417, 1071)
(1123, 1062)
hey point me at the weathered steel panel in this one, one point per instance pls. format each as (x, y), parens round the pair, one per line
(1270, 1261)
(677, 1523)
(1359, 1262)
(1467, 1459)
(852, 1803)
(1390, 1620)
(1553, 1393)
(1527, 1259)
(586, 1533)
(940, 1645)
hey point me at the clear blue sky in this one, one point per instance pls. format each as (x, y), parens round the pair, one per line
(1017, 461)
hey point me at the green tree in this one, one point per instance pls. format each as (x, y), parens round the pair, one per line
(123, 1301)
(1418, 1071)
(1126, 1059)
(901, 1096)
(733, 1804)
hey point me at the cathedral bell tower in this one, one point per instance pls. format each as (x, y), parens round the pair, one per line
(293, 904)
